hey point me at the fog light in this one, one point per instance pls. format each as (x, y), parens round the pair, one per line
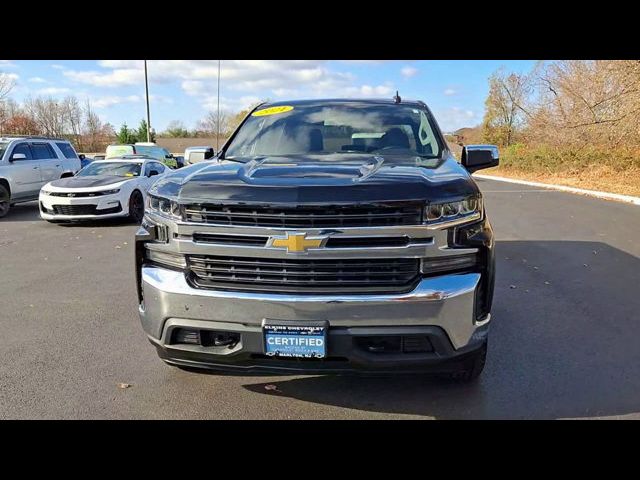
(167, 259)
(186, 335)
(454, 262)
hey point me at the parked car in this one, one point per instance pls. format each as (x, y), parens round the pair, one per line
(27, 163)
(198, 154)
(143, 148)
(343, 233)
(116, 187)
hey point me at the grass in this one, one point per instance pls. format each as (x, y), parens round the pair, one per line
(592, 168)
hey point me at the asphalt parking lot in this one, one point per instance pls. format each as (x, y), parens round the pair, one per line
(564, 340)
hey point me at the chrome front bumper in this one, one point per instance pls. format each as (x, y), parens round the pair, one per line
(446, 301)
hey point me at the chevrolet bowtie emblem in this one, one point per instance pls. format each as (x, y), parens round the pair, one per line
(296, 242)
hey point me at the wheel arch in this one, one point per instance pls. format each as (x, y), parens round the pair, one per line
(5, 183)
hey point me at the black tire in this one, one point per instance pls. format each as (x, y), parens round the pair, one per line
(5, 201)
(472, 368)
(136, 207)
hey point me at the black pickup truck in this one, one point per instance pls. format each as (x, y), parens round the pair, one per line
(325, 236)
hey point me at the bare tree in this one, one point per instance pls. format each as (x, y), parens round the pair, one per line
(50, 115)
(6, 85)
(93, 130)
(73, 116)
(209, 124)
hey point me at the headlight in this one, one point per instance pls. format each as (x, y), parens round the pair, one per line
(164, 206)
(452, 211)
(45, 192)
(109, 192)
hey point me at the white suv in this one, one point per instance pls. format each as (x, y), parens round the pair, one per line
(27, 163)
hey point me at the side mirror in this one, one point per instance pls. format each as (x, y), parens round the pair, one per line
(153, 173)
(168, 156)
(477, 157)
(18, 156)
(82, 156)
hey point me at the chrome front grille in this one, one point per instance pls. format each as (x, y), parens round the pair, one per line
(303, 276)
(384, 215)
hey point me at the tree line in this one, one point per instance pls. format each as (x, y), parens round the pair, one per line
(67, 118)
(208, 126)
(573, 104)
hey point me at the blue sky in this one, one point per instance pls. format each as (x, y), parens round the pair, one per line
(186, 89)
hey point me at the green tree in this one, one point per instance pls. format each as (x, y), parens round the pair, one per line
(141, 133)
(125, 135)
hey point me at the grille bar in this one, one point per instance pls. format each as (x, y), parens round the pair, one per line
(303, 276)
(84, 210)
(76, 194)
(306, 216)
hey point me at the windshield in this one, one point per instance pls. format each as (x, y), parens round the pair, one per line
(328, 128)
(3, 148)
(119, 169)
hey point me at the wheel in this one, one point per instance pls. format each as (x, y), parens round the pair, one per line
(472, 367)
(136, 207)
(5, 201)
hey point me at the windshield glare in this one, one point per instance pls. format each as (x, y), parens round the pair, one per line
(336, 128)
(118, 169)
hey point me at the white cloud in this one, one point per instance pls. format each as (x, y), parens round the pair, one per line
(199, 76)
(11, 76)
(450, 91)
(116, 78)
(53, 91)
(37, 80)
(454, 118)
(57, 66)
(110, 100)
(367, 90)
(408, 72)
(7, 64)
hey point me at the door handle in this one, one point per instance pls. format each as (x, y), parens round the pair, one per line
(36, 168)
(57, 165)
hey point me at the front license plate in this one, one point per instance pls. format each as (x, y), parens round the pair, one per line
(301, 341)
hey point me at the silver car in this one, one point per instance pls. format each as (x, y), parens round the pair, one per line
(27, 163)
(198, 154)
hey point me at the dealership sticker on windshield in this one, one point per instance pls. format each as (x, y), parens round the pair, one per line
(272, 111)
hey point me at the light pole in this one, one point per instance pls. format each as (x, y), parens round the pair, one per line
(218, 135)
(146, 88)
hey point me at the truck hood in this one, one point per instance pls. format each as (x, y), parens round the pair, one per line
(314, 179)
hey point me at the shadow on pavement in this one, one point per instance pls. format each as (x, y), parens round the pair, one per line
(22, 212)
(29, 212)
(564, 344)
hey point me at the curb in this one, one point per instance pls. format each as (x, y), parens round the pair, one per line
(562, 188)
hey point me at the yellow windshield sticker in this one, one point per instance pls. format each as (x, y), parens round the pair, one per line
(272, 111)
(129, 175)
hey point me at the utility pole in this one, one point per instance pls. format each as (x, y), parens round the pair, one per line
(218, 135)
(146, 87)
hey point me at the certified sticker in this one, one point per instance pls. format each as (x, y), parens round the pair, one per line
(272, 111)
